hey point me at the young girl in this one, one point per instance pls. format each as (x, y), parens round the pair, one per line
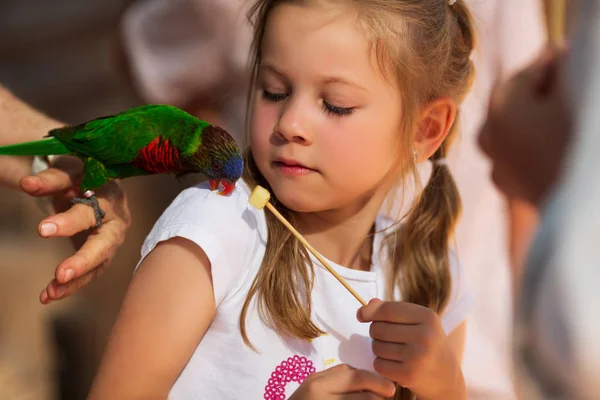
(347, 98)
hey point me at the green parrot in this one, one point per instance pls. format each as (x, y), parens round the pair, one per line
(144, 140)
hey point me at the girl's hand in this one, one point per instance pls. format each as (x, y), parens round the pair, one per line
(411, 348)
(344, 382)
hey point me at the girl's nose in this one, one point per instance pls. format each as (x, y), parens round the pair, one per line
(291, 126)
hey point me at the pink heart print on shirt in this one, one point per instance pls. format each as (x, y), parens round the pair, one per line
(294, 369)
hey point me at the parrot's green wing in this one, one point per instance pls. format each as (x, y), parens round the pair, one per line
(118, 139)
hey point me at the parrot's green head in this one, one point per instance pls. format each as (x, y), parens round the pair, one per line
(219, 159)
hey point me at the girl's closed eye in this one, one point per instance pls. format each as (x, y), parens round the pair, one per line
(273, 96)
(328, 107)
(337, 110)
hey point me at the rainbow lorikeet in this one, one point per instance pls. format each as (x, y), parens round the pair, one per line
(144, 140)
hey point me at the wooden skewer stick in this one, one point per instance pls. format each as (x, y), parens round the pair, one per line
(260, 199)
(555, 11)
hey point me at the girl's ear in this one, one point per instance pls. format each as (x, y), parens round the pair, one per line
(434, 125)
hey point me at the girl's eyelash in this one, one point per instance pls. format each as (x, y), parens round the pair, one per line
(274, 97)
(330, 109)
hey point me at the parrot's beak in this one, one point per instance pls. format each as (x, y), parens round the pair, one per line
(214, 184)
(224, 187)
(227, 187)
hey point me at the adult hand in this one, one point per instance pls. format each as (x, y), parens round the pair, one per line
(95, 247)
(527, 129)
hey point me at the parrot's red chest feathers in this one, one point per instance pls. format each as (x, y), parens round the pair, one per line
(159, 156)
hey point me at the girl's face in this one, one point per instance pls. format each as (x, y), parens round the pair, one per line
(326, 123)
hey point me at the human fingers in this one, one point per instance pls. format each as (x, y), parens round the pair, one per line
(393, 332)
(99, 248)
(80, 217)
(57, 291)
(75, 219)
(391, 351)
(400, 312)
(344, 379)
(361, 396)
(403, 373)
(63, 176)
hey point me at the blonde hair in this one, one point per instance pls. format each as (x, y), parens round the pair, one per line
(426, 44)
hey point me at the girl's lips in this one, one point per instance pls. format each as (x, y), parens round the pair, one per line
(293, 169)
(290, 162)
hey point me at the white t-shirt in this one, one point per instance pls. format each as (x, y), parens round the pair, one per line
(233, 235)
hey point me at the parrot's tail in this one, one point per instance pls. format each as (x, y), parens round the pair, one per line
(45, 147)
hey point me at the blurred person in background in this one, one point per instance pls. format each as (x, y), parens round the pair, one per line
(542, 137)
(493, 229)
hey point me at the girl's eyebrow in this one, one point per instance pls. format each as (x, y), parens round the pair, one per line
(271, 68)
(326, 80)
(337, 79)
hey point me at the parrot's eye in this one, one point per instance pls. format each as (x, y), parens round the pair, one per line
(217, 166)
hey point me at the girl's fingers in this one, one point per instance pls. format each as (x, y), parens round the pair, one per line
(399, 352)
(361, 396)
(399, 312)
(394, 333)
(396, 371)
(345, 380)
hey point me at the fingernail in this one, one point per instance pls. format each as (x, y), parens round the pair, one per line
(358, 316)
(48, 229)
(67, 275)
(31, 180)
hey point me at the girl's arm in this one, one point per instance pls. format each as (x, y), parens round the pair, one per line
(166, 312)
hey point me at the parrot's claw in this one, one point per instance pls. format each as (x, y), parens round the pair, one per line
(92, 201)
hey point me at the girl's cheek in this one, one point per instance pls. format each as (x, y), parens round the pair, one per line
(264, 120)
(258, 133)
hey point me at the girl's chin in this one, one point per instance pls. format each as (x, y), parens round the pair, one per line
(303, 202)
